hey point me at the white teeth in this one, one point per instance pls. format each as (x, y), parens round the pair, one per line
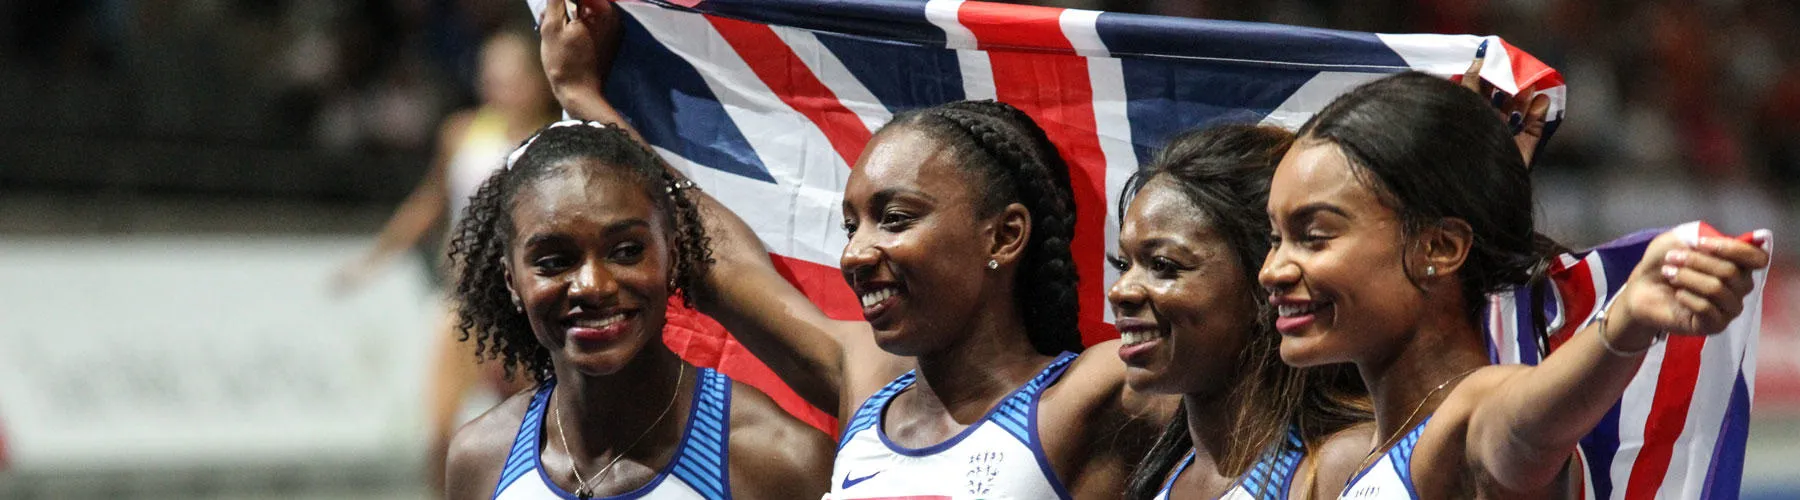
(875, 297)
(609, 320)
(1290, 310)
(1136, 337)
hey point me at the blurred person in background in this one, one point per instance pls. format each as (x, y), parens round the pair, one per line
(472, 143)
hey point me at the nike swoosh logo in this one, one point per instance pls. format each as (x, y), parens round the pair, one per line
(848, 482)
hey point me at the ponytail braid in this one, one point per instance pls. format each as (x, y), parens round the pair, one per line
(1021, 165)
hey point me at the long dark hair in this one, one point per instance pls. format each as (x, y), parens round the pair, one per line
(479, 247)
(1225, 171)
(1432, 150)
(1018, 164)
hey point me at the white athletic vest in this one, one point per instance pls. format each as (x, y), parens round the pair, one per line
(698, 471)
(1389, 478)
(998, 457)
(1269, 479)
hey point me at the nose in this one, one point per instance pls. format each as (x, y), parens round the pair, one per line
(591, 284)
(859, 258)
(1278, 271)
(1127, 294)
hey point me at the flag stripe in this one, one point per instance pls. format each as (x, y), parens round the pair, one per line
(791, 80)
(1668, 415)
(1066, 113)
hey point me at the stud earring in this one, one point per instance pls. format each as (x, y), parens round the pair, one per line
(1431, 270)
(993, 264)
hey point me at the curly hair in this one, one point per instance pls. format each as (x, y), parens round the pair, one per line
(1020, 165)
(478, 249)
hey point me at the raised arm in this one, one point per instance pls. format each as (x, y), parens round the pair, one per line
(780, 325)
(1523, 430)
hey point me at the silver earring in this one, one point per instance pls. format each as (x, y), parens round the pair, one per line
(1431, 270)
(993, 264)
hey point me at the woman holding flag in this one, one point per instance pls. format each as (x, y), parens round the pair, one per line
(964, 381)
(1401, 206)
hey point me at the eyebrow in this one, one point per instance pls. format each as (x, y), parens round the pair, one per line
(1311, 209)
(610, 230)
(884, 196)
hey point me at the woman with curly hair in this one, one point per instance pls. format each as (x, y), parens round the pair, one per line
(964, 380)
(567, 260)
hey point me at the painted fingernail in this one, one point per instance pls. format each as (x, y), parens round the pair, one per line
(1669, 272)
(1676, 257)
(1516, 122)
(1498, 99)
(1481, 51)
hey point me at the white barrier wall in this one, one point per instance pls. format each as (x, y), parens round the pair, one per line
(132, 352)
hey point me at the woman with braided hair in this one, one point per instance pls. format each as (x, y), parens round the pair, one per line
(567, 260)
(964, 381)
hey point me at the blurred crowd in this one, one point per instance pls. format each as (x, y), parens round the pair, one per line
(1679, 108)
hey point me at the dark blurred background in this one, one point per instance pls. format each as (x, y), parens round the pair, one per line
(171, 133)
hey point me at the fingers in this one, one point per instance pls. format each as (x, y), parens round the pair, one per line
(1746, 255)
(1704, 303)
(1727, 272)
(1472, 77)
(1693, 314)
(553, 9)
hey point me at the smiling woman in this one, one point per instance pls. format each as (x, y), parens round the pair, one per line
(567, 261)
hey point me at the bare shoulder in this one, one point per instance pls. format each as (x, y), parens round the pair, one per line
(479, 448)
(773, 454)
(1452, 416)
(1335, 459)
(1097, 372)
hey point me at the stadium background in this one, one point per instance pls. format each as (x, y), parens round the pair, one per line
(179, 178)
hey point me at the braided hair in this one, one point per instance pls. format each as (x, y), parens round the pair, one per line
(1018, 163)
(478, 249)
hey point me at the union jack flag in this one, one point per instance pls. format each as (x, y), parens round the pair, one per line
(767, 104)
(1680, 429)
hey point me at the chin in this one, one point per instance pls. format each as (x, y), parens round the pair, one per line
(1305, 351)
(1148, 381)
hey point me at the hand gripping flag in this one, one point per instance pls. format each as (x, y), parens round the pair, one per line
(767, 104)
(1680, 429)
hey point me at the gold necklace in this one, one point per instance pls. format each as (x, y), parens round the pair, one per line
(582, 489)
(1403, 425)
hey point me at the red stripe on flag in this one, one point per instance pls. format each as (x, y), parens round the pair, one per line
(1528, 72)
(1016, 27)
(1668, 415)
(1576, 285)
(791, 80)
(1054, 89)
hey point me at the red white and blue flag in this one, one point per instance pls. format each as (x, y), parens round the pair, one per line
(1680, 429)
(767, 104)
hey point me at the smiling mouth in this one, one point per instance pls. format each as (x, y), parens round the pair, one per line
(1135, 337)
(1292, 310)
(877, 299)
(603, 329)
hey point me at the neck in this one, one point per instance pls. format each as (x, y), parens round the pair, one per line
(1404, 386)
(1211, 423)
(992, 357)
(606, 414)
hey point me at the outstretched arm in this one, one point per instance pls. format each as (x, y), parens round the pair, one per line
(778, 324)
(1528, 424)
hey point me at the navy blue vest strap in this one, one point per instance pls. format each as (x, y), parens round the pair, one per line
(524, 454)
(703, 463)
